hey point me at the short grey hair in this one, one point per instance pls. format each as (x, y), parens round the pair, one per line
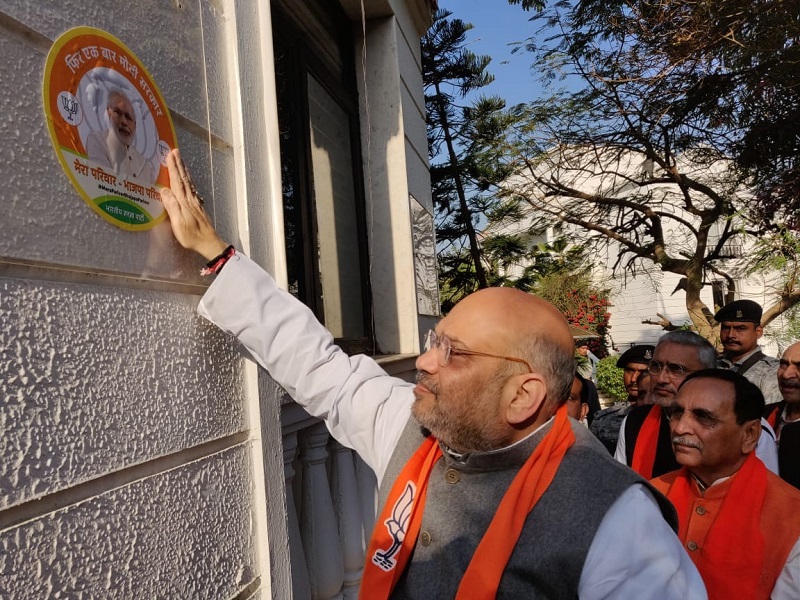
(554, 362)
(706, 353)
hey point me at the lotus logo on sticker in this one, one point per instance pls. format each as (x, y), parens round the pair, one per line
(69, 108)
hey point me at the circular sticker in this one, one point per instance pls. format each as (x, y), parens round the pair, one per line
(110, 127)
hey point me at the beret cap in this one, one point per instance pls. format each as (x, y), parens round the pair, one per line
(740, 310)
(637, 354)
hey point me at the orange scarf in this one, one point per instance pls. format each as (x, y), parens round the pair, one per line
(772, 418)
(398, 525)
(644, 453)
(731, 560)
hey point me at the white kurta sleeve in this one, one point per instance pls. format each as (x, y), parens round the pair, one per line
(363, 407)
(787, 586)
(619, 453)
(635, 554)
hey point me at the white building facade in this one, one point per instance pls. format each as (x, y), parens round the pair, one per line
(642, 295)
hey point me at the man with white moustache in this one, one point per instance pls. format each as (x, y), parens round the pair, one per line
(738, 521)
(114, 148)
(784, 417)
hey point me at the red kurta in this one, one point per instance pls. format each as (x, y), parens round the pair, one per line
(738, 532)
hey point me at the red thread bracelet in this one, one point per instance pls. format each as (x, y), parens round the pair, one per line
(215, 265)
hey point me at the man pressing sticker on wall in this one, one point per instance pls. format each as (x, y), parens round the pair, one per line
(484, 478)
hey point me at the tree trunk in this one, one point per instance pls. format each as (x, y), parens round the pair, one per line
(699, 313)
(474, 250)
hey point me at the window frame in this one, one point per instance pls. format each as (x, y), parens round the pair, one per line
(303, 56)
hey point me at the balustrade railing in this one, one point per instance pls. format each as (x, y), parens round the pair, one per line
(331, 503)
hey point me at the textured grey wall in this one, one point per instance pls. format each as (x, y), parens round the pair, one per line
(126, 469)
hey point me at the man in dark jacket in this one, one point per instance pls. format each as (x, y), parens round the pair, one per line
(785, 416)
(607, 422)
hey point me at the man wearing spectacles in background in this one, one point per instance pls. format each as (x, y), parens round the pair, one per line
(484, 478)
(645, 443)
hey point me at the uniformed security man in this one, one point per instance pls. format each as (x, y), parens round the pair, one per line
(740, 330)
(607, 422)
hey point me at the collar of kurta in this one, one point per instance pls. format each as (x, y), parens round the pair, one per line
(510, 457)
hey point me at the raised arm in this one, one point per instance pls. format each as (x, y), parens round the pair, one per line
(363, 407)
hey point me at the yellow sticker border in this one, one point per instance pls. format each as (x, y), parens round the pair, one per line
(151, 94)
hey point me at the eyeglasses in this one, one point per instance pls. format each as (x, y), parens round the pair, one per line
(673, 370)
(444, 351)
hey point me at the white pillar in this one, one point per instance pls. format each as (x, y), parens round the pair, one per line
(344, 488)
(300, 587)
(318, 527)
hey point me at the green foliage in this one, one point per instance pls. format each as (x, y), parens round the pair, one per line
(716, 74)
(580, 301)
(469, 154)
(609, 379)
(785, 330)
(456, 278)
(473, 151)
(449, 73)
(529, 4)
(667, 135)
(778, 251)
(738, 60)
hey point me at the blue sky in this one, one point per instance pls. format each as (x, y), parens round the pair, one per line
(496, 24)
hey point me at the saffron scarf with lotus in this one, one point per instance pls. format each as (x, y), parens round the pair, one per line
(398, 525)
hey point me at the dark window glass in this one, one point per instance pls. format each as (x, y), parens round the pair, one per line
(323, 198)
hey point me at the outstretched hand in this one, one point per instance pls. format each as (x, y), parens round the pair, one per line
(190, 222)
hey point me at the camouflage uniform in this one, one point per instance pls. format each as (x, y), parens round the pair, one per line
(763, 373)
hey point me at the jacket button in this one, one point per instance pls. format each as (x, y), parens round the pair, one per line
(451, 476)
(425, 538)
(692, 546)
(701, 510)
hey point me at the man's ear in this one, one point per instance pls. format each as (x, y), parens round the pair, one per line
(528, 397)
(759, 331)
(750, 435)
